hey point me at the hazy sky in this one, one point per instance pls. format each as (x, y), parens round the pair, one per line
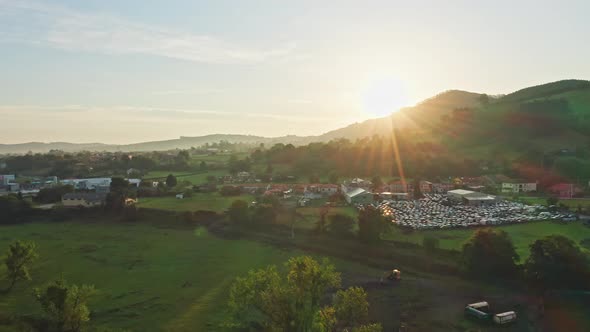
(119, 71)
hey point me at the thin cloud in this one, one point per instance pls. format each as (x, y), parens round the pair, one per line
(187, 92)
(299, 101)
(64, 28)
(145, 112)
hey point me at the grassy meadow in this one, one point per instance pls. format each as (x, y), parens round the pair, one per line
(522, 235)
(150, 278)
(199, 201)
(573, 203)
(192, 177)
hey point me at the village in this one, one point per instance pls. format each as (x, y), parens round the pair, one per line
(459, 202)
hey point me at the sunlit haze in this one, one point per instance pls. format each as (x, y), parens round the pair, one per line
(131, 71)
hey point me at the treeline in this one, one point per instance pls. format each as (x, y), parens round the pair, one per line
(408, 154)
(87, 164)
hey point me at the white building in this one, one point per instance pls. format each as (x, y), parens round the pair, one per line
(358, 196)
(519, 187)
(6, 179)
(469, 197)
(90, 184)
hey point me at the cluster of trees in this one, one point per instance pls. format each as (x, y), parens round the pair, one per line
(52, 194)
(265, 212)
(65, 305)
(236, 165)
(14, 209)
(269, 300)
(555, 262)
(87, 164)
(370, 156)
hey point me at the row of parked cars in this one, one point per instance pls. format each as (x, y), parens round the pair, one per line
(437, 211)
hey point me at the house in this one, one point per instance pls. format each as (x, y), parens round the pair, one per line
(254, 188)
(90, 184)
(134, 182)
(132, 170)
(180, 196)
(322, 189)
(426, 187)
(518, 186)
(357, 183)
(6, 179)
(358, 196)
(83, 199)
(401, 187)
(564, 190)
(441, 188)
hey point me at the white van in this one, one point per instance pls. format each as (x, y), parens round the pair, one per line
(505, 317)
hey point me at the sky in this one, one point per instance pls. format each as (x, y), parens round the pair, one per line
(115, 71)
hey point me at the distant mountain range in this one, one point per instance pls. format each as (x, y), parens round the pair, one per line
(553, 114)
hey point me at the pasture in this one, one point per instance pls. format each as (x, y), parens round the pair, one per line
(573, 203)
(161, 277)
(522, 235)
(199, 201)
(192, 177)
(150, 278)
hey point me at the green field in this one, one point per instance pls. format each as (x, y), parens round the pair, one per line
(199, 201)
(150, 278)
(522, 235)
(311, 215)
(192, 177)
(570, 203)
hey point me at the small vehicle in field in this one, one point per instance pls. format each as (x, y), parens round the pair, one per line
(481, 311)
(505, 317)
(393, 275)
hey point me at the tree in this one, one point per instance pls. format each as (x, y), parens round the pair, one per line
(321, 225)
(333, 178)
(238, 212)
(490, 253)
(66, 305)
(552, 200)
(417, 190)
(314, 178)
(282, 302)
(119, 185)
(377, 183)
(20, 255)
(13, 210)
(211, 179)
(171, 181)
(371, 224)
(557, 262)
(230, 190)
(264, 214)
(341, 224)
(269, 300)
(430, 243)
(351, 307)
(484, 99)
(203, 166)
(53, 194)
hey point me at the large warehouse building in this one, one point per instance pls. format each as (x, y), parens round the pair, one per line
(472, 198)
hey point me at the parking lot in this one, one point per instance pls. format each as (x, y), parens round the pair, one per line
(436, 211)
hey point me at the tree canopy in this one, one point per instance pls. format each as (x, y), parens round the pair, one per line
(268, 300)
(556, 262)
(490, 252)
(66, 305)
(18, 258)
(371, 224)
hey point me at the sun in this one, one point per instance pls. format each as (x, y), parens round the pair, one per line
(383, 97)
